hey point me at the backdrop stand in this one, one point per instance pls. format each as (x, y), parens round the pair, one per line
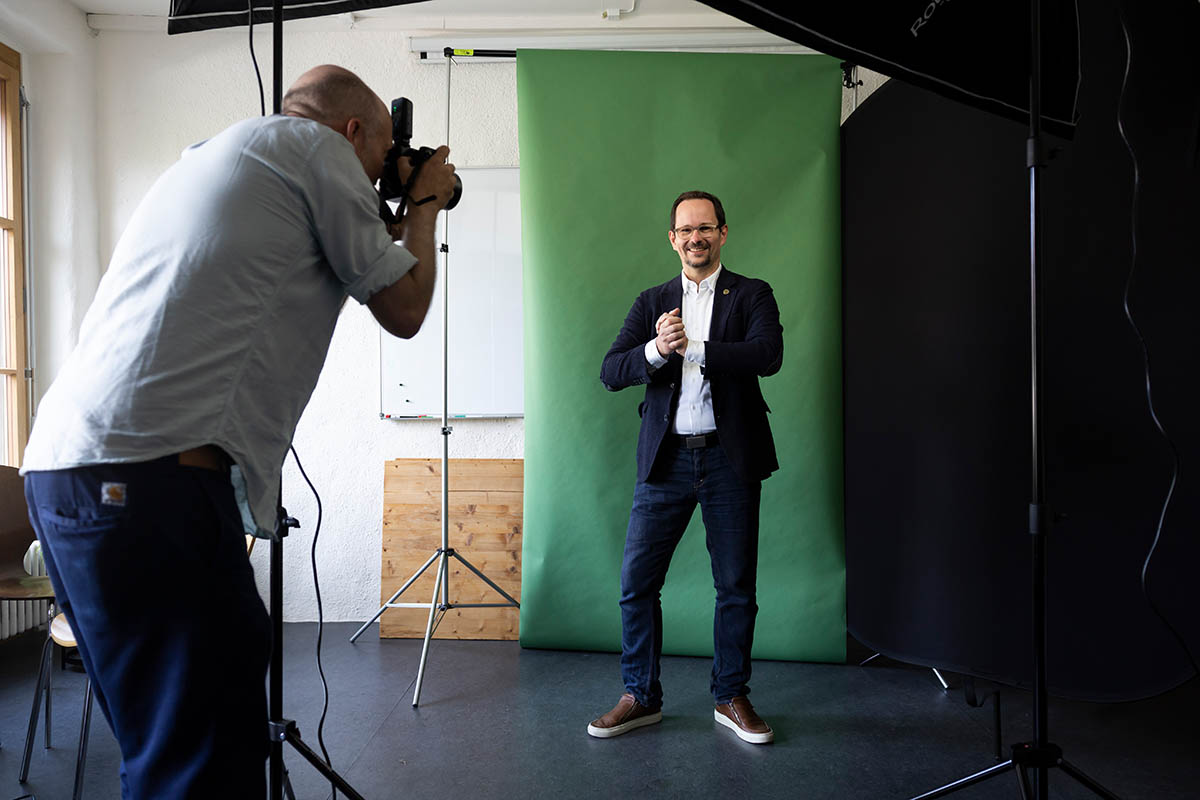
(441, 581)
(1039, 755)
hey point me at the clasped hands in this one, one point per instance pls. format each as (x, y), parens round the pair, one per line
(671, 337)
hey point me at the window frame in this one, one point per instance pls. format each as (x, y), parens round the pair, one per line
(15, 375)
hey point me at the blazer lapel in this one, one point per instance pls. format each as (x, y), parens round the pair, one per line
(723, 299)
(670, 298)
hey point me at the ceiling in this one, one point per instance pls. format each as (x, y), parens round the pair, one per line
(159, 8)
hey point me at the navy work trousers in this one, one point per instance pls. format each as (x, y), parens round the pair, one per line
(148, 562)
(662, 508)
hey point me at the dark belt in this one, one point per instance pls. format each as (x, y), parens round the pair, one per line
(207, 456)
(695, 442)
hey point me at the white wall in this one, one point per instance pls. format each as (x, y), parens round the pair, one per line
(58, 68)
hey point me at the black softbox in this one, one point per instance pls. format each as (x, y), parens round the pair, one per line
(976, 54)
(201, 15)
(1019, 61)
(973, 52)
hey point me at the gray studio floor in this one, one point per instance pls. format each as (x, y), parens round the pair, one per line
(497, 721)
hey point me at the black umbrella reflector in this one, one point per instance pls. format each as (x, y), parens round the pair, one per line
(973, 52)
(201, 15)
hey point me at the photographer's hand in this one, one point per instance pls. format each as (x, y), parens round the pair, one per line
(435, 179)
(401, 307)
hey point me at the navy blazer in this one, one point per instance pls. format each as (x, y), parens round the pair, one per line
(745, 342)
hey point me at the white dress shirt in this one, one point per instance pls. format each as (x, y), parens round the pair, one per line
(694, 414)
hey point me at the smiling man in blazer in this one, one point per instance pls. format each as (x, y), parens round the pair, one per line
(699, 343)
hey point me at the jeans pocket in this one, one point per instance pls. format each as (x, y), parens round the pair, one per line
(90, 561)
(82, 521)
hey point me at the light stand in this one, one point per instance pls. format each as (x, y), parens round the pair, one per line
(1040, 754)
(280, 730)
(441, 582)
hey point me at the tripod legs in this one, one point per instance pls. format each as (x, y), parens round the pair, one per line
(441, 581)
(284, 731)
(311, 756)
(511, 601)
(1025, 787)
(971, 780)
(488, 581)
(438, 581)
(1077, 774)
(392, 599)
(1026, 756)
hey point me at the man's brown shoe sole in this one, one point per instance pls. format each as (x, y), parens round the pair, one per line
(745, 736)
(624, 727)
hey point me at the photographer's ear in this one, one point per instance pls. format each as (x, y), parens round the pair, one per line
(355, 132)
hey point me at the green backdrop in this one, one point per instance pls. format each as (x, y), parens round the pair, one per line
(608, 140)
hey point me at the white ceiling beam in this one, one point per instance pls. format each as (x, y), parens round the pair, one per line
(706, 39)
(411, 22)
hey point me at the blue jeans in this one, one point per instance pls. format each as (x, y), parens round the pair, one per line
(153, 577)
(662, 507)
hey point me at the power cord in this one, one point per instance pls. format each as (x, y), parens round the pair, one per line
(1175, 468)
(262, 97)
(320, 620)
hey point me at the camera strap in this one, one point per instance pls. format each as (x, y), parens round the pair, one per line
(412, 178)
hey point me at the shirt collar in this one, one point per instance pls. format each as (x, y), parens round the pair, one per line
(709, 284)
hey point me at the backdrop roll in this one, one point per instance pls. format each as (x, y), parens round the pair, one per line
(607, 142)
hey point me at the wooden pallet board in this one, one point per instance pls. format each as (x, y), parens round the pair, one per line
(486, 513)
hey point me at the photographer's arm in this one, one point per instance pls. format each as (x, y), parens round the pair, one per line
(401, 308)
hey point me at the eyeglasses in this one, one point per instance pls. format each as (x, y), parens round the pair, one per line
(705, 230)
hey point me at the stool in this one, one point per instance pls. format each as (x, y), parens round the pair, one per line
(60, 634)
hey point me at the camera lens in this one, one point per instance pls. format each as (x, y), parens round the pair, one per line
(456, 195)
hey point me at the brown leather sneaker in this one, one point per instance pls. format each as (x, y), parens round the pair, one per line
(738, 715)
(626, 715)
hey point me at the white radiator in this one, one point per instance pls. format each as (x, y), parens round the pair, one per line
(17, 616)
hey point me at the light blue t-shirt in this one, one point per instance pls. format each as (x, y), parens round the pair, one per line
(213, 320)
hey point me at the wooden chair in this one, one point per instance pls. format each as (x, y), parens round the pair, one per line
(61, 635)
(16, 534)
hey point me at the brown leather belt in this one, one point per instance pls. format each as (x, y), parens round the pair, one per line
(207, 456)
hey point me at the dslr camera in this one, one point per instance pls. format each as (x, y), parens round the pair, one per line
(391, 187)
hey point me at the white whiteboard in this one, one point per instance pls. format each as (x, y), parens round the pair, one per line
(486, 364)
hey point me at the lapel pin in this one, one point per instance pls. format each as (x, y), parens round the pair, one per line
(725, 292)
